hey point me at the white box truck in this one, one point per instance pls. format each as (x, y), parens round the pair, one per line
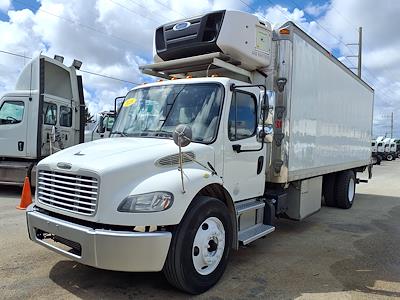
(47, 103)
(249, 125)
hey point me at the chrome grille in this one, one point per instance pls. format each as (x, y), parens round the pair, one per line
(71, 192)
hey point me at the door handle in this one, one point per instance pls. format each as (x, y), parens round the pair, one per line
(237, 148)
(20, 146)
(260, 164)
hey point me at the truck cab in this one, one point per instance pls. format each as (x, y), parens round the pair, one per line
(101, 128)
(42, 115)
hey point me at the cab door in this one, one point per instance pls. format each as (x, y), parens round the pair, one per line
(13, 126)
(244, 161)
(65, 122)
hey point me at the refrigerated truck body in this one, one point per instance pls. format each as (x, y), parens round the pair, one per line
(267, 122)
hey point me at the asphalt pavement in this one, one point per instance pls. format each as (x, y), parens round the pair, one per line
(333, 254)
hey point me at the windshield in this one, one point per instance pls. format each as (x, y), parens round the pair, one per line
(156, 111)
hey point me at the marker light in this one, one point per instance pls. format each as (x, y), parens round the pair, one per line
(59, 58)
(284, 31)
(77, 64)
(151, 202)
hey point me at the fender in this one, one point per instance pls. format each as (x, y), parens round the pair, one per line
(170, 181)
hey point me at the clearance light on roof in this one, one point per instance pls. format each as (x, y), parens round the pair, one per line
(284, 31)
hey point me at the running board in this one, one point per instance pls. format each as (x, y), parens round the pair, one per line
(255, 232)
(250, 220)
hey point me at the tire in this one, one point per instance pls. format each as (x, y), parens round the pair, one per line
(328, 189)
(200, 226)
(398, 155)
(345, 188)
(389, 157)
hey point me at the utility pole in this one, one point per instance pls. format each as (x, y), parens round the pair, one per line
(359, 56)
(391, 126)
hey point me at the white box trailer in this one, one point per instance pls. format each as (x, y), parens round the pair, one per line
(326, 109)
(249, 125)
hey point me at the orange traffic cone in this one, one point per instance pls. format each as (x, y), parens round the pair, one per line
(26, 197)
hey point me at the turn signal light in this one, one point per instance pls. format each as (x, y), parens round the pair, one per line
(284, 31)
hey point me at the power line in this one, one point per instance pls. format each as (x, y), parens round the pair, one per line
(14, 54)
(132, 11)
(169, 8)
(84, 71)
(109, 77)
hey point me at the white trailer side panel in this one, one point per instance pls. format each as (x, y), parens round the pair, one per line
(330, 115)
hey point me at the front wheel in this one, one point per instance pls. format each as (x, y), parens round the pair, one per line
(200, 246)
(389, 157)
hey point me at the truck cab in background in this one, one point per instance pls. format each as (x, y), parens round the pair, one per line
(374, 149)
(101, 128)
(388, 149)
(42, 115)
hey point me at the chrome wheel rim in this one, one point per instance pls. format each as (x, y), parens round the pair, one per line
(208, 246)
(351, 190)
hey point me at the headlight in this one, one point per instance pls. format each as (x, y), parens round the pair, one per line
(151, 202)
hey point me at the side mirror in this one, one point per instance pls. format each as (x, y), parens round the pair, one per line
(266, 134)
(182, 135)
(101, 128)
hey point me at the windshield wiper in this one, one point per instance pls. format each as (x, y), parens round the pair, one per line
(121, 133)
(160, 133)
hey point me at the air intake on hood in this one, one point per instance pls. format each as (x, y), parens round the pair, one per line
(173, 160)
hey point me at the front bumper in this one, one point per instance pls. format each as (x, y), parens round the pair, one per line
(104, 249)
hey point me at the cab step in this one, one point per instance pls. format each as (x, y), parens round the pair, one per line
(248, 205)
(255, 232)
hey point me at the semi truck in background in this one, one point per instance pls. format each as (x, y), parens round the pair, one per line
(44, 113)
(393, 148)
(389, 149)
(248, 124)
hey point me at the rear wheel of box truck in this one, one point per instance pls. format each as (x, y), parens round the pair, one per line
(345, 188)
(328, 189)
(200, 246)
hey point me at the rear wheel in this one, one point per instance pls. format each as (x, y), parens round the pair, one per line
(389, 157)
(328, 189)
(200, 246)
(345, 189)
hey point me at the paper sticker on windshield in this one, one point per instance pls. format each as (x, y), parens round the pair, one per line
(129, 102)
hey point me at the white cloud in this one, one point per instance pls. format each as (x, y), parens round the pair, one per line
(316, 10)
(5, 5)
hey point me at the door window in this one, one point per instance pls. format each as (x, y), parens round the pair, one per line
(11, 112)
(242, 121)
(50, 113)
(65, 116)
